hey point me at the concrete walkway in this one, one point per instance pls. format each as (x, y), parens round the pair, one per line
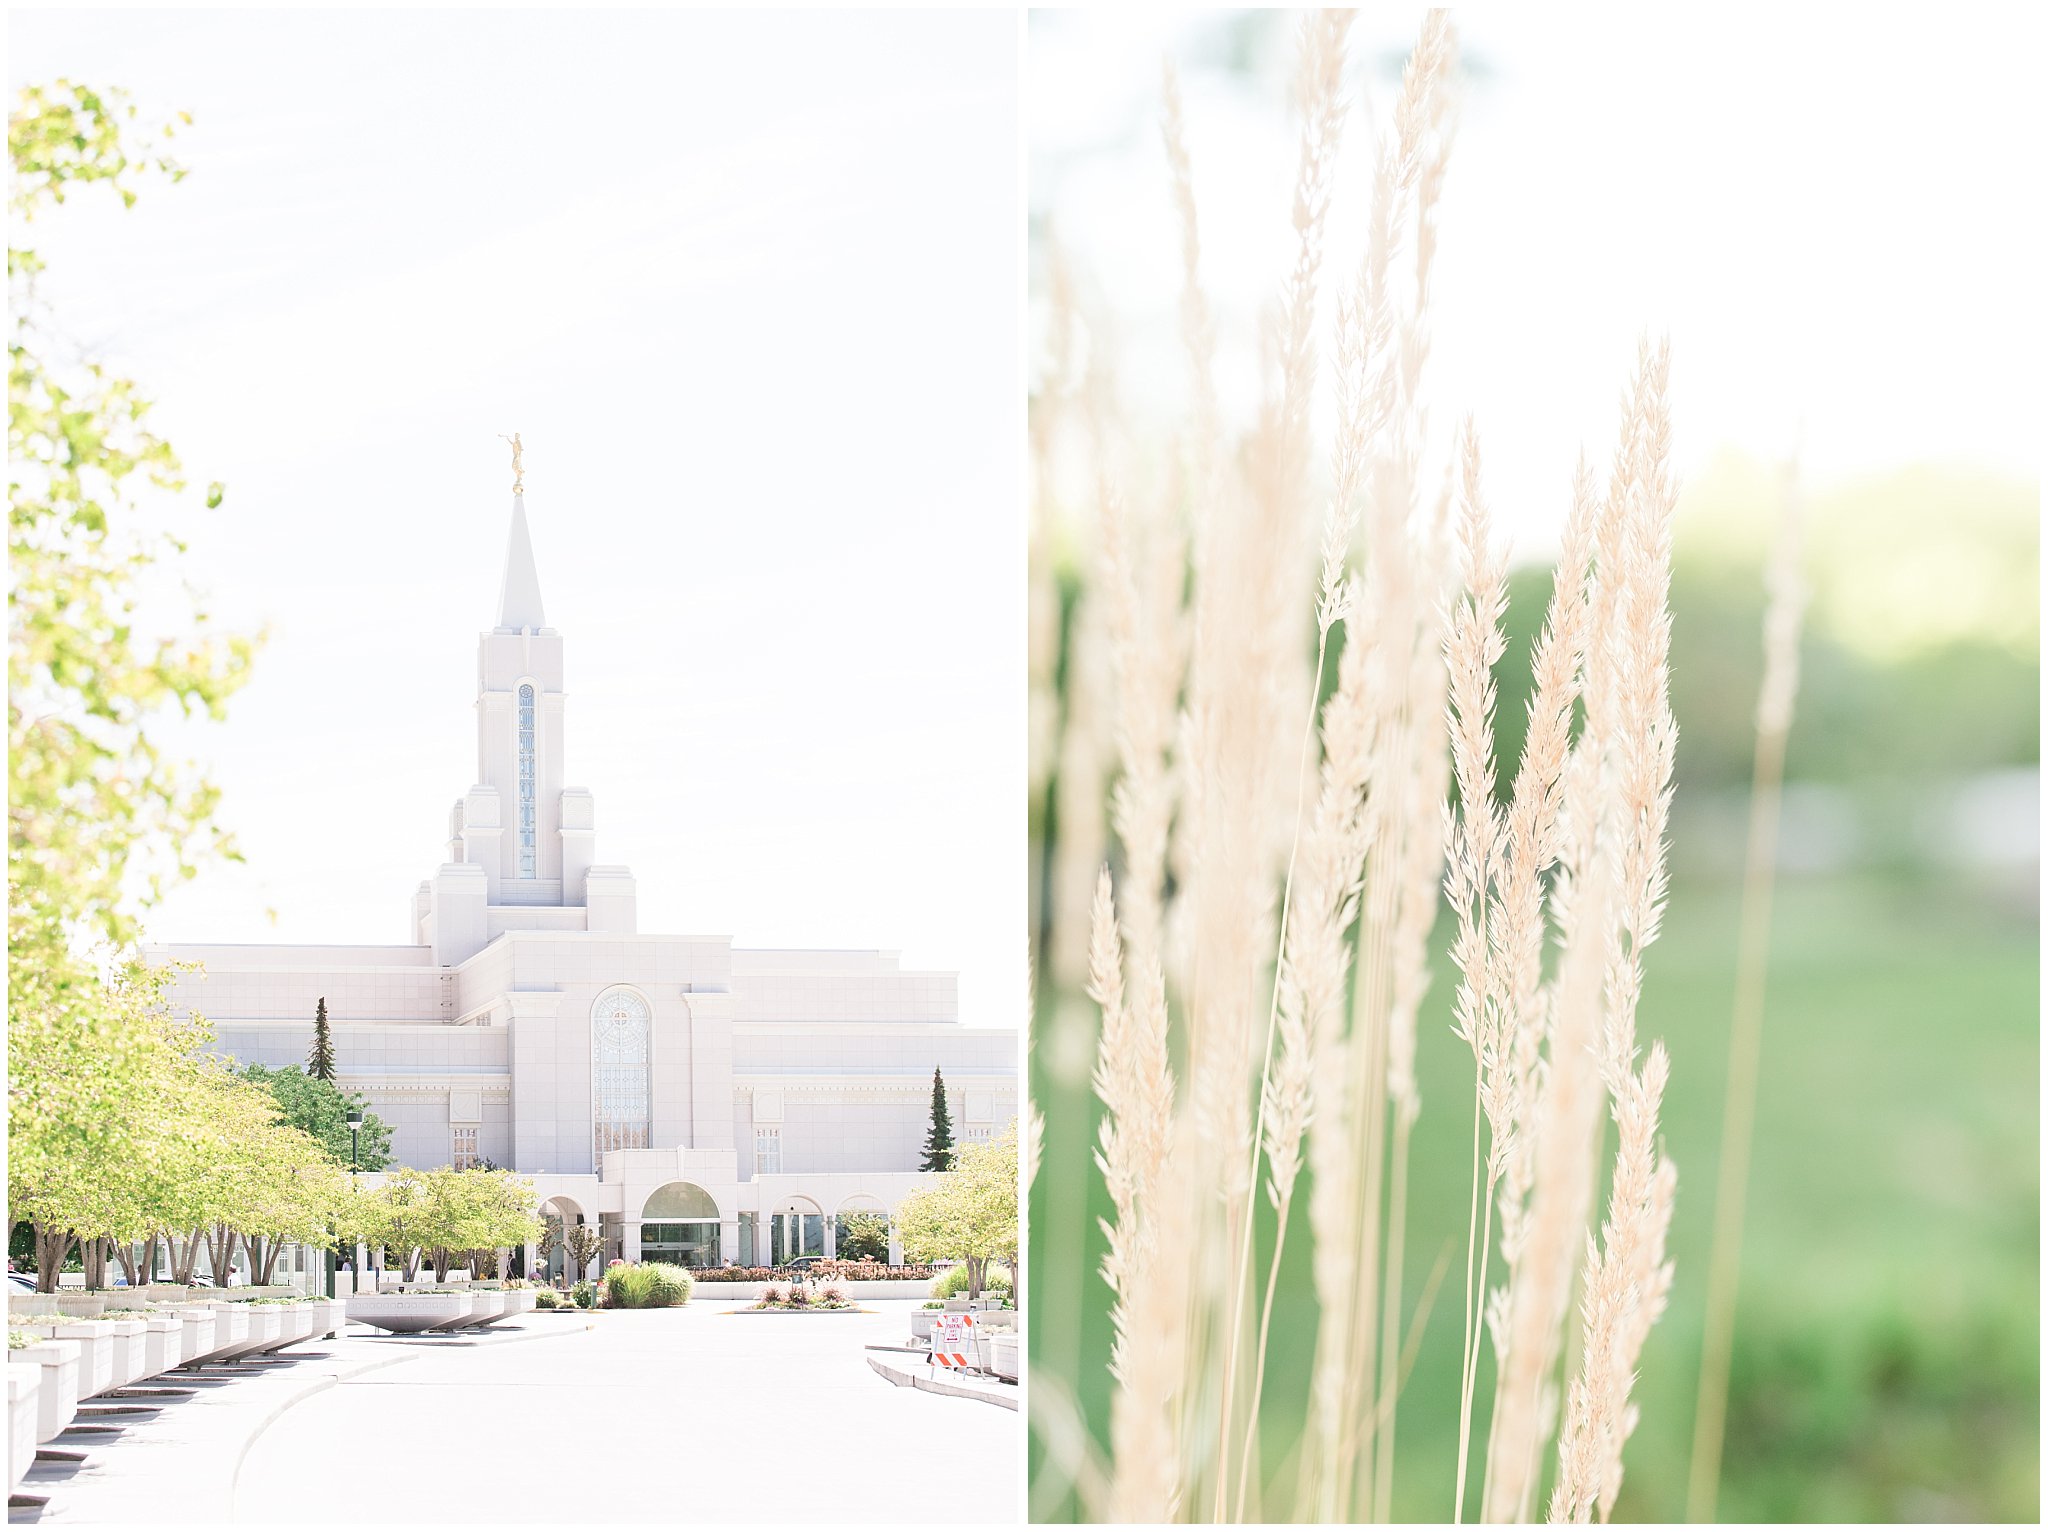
(672, 1415)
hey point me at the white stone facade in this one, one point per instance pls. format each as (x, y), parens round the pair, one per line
(529, 1022)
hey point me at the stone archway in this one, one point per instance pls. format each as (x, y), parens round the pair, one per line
(861, 1229)
(680, 1224)
(797, 1227)
(564, 1213)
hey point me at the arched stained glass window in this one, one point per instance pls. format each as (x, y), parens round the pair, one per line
(529, 840)
(620, 1043)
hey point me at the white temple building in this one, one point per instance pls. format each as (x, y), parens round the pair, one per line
(703, 1103)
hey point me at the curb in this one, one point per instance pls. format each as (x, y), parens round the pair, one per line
(905, 1379)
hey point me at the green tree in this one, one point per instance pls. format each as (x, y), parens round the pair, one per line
(320, 1109)
(863, 1236)
(99, 816)
(320, 1062)
(938, 1143)
(970, 1215)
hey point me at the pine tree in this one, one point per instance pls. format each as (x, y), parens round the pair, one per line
(320, 1062)
(938, 1144)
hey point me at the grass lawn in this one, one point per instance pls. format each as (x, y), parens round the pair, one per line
(1886, 1360)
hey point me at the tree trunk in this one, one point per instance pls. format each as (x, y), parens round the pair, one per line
(149, 1259)
(52, 1246)
(974, 1276)
(185, 1257)
(220, 1248)
(271, 1250)
(124, 1252)
(94, 1258)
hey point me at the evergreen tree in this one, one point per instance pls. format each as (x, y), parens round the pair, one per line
(320, 1062)
(938, 1144)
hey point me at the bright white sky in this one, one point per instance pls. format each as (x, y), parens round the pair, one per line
(747, 284)
(1834, 214)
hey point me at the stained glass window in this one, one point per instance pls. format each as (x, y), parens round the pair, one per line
(464, 1154)
(529, 844)
(619, 1047)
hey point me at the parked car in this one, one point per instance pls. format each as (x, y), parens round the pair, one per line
(21, 1282)
(802, 1262)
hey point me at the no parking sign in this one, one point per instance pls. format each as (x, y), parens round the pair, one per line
(953, 1341)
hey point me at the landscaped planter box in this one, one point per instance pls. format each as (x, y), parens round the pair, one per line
(292, 1325)
(80, 1305)
(230, 1330)
(409, 1313)
(196, 1340)
(720, 1292)
(24, 1385)
(163, 1337)
(485, 1308)
(31, 1303)
(57, 1401)
(266, 1324)
(95, 1351)
(921, 1324)
(1003, 1354)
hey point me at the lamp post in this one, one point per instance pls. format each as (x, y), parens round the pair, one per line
(355, 1130)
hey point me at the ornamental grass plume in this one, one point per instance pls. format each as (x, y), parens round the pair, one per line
(1784, 610)
(1294, 654)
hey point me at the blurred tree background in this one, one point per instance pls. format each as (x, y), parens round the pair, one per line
(1886, 1361)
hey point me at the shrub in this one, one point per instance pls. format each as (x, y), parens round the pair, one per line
(648, 1285)
(799, 1297)
(771, 1296)
(584, 1295)
(548, 1298)
(952, 1283)
(831, 1293)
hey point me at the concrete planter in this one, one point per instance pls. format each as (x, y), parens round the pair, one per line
(294, 1323)
(57, 1401)
(230, 1330)
(131, 1349)
(80, 1305)
(95, 1352)
(31, 1303)
(196, 1339)
(24, 1390)
(485, 1308)
(921, 1324)
(1002, 1359)
(409, 1313)
(163, 1343)
(265, 1325)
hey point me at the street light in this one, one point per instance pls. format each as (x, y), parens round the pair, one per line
(355, 1129)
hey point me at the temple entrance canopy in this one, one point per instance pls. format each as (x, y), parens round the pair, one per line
(679, 1225)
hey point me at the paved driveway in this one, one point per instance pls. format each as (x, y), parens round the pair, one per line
(667, 1415)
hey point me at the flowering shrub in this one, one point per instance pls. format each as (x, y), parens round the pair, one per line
(845, 1271)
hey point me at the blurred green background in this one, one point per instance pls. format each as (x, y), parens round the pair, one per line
(1886, 1361)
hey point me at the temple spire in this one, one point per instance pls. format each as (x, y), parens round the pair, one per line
(519, 607)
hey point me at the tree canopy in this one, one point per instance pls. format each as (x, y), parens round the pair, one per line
(969, 1214)
(319, 1108)
(99, 815)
